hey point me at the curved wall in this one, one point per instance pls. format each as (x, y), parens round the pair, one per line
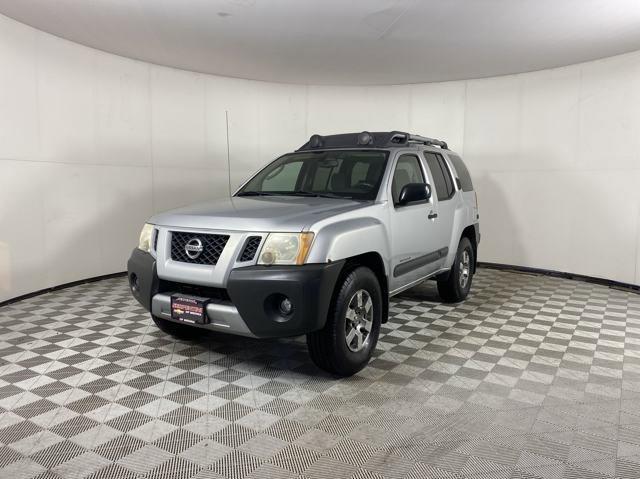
(92, 144)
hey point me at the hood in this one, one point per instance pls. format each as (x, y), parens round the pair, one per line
(281, 213)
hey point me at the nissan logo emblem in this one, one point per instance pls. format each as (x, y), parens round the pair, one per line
(193, 248)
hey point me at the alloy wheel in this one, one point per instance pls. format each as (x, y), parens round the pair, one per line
(359, 321)
(464, 268)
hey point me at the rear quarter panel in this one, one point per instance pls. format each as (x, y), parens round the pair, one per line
(466, 213)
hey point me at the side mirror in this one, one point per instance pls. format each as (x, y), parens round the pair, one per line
(413, 193)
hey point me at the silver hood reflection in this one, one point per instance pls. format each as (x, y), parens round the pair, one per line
(267, 213)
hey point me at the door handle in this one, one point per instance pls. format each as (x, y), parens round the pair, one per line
(432, 215)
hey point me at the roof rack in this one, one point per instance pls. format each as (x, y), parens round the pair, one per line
(375, 139)
(424, 140)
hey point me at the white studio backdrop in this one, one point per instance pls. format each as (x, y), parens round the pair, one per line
(92, 144)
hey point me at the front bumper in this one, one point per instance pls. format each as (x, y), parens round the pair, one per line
(250, 306)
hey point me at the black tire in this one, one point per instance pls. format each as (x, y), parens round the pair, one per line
(328, 347)
(177, 330)
(454, 289)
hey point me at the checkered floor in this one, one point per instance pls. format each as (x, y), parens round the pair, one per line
(531, 377)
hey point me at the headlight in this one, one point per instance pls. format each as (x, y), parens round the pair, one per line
(286, 248)
(145, 237)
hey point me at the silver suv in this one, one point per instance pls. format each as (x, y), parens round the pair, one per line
(315, 243)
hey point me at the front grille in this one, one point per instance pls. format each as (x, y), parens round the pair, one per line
(212, 246)
(155, 239)
(250, 248)
(219, 294)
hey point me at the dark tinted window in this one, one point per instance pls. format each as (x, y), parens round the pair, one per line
(407, 171)
(463, 173)
(441, 177)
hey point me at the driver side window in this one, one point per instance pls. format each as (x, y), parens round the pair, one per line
(407, 171)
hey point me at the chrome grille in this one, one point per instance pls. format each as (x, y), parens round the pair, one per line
(212, 247)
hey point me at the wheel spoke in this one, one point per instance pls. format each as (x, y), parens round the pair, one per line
(367, 325)
(368, 305)
(351, 335)
(351, 314)
(359, 299)
(464, 268)
(360, 340)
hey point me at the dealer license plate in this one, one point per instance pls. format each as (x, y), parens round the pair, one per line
(189, 309)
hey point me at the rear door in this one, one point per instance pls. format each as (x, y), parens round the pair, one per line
(445, 193)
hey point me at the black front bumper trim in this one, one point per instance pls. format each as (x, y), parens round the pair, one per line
(254, 291)
(143, 266)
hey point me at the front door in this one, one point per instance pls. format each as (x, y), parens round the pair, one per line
(415, 254)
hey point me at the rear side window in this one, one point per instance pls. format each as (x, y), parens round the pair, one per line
(463, 173)
(441, 177)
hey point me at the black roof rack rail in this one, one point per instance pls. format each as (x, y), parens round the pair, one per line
(378, 139)
(424, 140)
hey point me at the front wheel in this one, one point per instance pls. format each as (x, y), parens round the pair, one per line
(349, 337)
(457, 285)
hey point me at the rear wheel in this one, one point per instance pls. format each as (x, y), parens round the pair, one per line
(457, 285)
(177, 330)
(346, 343)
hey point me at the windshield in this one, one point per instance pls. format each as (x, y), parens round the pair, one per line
(335, 174)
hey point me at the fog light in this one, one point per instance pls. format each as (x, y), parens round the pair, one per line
(286, 307)
(268, 257)
(133, 282)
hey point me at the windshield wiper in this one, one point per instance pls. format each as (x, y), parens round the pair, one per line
(301, 193)
(316, 195)
(309, 194)
(333, 195)
(255, 193)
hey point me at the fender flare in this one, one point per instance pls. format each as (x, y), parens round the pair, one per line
(348, 238)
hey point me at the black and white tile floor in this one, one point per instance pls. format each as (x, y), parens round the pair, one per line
(531, 377)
